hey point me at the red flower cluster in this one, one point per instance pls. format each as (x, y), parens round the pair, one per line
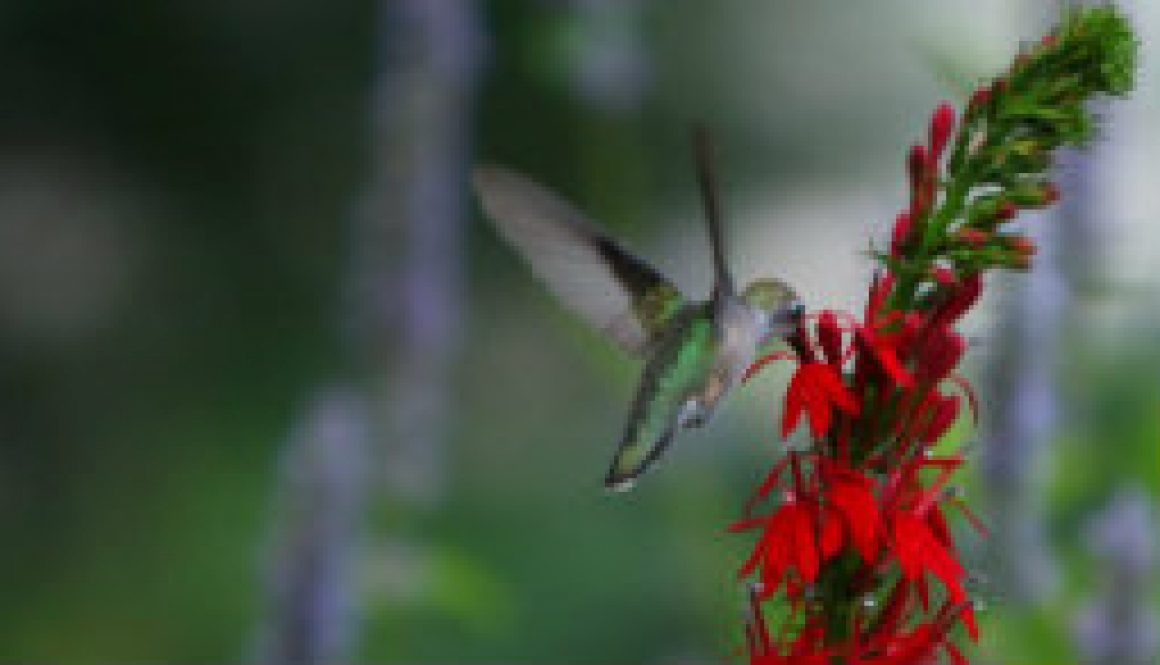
(857, 543)
(869, 498)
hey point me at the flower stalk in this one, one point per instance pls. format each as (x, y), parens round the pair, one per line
(853, 532)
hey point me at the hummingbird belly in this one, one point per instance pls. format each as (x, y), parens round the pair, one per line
(669, 397)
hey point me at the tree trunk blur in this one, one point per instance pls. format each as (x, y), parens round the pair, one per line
(1119, 627)
(407, 293)
(1024, 406)
(310, 571)
(1026, 399)
(404, 299)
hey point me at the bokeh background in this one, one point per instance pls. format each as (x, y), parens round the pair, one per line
(271, 391)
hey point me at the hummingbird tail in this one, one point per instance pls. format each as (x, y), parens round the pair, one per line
(633, 459)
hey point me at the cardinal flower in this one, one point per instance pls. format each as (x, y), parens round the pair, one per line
(816, 389)
(859, 549)
(851, 494)
(788, 542)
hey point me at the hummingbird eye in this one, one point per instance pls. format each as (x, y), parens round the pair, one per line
(797, 311)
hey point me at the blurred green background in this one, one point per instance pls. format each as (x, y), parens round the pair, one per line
(271, 391)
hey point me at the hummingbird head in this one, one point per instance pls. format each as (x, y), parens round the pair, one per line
(777, 306)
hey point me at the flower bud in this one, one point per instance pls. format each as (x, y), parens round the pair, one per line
(1021, 245)
(1020, 251)
(963, 299)
(1050, 193)
(1034, 195)
(943, 276)
(945, 410)
(980, 99)
(917, 165)
(942, 123)
(1006, 212)
(920, 168)
(903, 225)
(973, 237)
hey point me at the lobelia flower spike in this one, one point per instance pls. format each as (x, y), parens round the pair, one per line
(858, 542)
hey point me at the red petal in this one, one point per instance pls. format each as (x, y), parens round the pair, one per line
(820, 418)
(940, 354)
(751, 562)
(746, 525)
(972, 518)
(850, 493)
(831, 383)
(881, 352)
(946, 412)
(901, 234)
(805, 547)
(918, 551)
(816, 388)
(763, 361)
(968, 618)
(832, 534)
(972, 399)
(767, 486)
(830, 337)
(818, 406)
(939, 527)
(923, 590)
(963, 299)
(795, 404)
(895, 607)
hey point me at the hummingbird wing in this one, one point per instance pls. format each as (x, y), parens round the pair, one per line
(618, 293)
(706, 161)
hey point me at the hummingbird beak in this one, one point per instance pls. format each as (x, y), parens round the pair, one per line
(787, 320)
(796, 313)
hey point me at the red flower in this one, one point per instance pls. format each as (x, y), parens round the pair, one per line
(918, 552)
(851, 494)
(787, 542)
(816, 388)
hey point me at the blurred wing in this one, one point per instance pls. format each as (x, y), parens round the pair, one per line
(616, 292)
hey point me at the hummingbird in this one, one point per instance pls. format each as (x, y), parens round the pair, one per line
(695, 351)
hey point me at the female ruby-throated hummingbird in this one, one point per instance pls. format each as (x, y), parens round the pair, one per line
(695, 352)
